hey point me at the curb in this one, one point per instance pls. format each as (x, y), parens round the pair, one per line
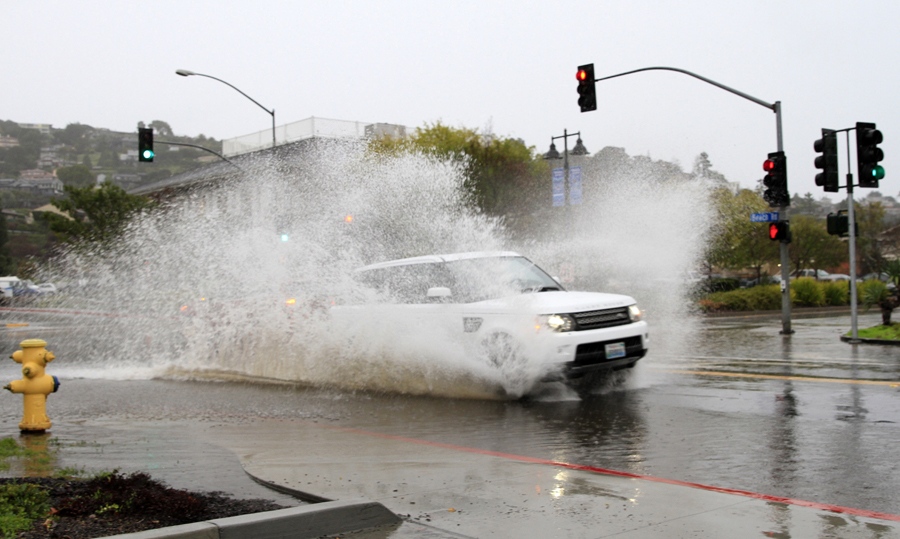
(851, 340)
(303, 522)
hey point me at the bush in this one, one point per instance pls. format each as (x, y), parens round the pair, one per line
(871, 292)
(807, 292)
(836, 293)
(20, 505)
(723, 284)
(758, 298)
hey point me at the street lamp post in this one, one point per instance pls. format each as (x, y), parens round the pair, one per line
(188, 73)
(579, 149)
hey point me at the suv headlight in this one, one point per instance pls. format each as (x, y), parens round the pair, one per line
(557, 322)
(635, 314)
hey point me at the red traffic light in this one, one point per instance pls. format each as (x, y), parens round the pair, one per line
(581, 75)
(779, 231)
(768, 165)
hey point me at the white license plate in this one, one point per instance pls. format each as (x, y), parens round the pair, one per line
(615, 350)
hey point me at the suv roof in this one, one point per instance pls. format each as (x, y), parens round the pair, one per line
(434, 259)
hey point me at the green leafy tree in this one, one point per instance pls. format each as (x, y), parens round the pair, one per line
(811, 245)
(502, 175)
(98, 214)
(738, 243)
(870, 248)
(7, 265)
(76, 175)
(805, 205)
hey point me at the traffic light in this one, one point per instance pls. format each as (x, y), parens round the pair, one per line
(838, 224)
(776, 193)
(780, 231)
(587, 92)
(868, 154)
(828, 161)
(145, 144)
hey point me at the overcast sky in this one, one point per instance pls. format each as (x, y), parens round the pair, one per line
(504, 66)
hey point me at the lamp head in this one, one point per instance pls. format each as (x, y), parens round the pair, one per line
(184, 72)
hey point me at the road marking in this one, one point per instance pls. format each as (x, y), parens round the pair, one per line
(794, 378)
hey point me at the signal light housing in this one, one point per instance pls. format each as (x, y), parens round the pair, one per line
(828, 161)
(776, 193)
(145, 144)
(868, 154)
(780, 231)
(838, 224)
(587, 91)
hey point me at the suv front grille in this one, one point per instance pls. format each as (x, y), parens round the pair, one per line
(601, 319)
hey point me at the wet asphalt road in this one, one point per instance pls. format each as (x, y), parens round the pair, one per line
(734, 405)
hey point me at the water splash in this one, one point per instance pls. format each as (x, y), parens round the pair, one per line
(201, 289)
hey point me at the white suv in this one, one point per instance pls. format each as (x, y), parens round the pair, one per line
(503, 307)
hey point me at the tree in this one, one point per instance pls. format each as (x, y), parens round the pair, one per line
(161, 128)
(76, 176)
(703, 168)
(738, 243)
(502, 175)
(7, 266)
(812, 246)
(98, 214)
(870, 218)
(805, 205)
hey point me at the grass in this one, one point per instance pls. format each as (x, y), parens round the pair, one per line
(22, 504)
(884, 333)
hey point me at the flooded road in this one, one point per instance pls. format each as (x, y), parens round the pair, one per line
(737, 406)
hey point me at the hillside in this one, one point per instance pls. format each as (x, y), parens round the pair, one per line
(38, 160)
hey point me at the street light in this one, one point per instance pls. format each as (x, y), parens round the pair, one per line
(579, 149)
(188, 73)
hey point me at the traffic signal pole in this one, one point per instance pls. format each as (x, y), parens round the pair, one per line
(851, 218)
(782, 210)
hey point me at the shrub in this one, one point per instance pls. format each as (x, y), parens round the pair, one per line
(836, 293)
(20, 505)
(807, 292)
(723, 284)
(758, 298)
(871, 292)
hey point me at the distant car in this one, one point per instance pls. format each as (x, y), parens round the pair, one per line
(47, 288)
(501, 308)
(820, 275)
(883, 277)
(749, 283)
(13, 287)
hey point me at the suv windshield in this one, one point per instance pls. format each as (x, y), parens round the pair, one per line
(469, 280)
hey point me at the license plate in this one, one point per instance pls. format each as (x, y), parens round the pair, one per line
(615, 350)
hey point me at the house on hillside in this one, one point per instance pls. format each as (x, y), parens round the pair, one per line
(7, 141)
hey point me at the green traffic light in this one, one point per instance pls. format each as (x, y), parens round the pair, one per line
(877, 172)
(148, 154)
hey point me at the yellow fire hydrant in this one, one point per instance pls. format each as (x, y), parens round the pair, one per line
(35, 384)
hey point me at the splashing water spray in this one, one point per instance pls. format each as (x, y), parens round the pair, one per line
(235, 281)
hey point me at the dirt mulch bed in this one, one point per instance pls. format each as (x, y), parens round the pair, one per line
(114, 504)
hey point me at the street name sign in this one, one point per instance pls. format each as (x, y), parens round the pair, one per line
(764, 217)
